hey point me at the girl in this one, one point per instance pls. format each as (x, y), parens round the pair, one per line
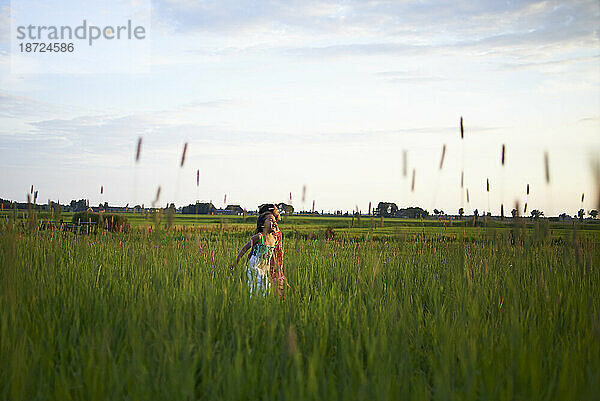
(277, 271)
(261, 261)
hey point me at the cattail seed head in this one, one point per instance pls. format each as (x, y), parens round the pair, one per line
(487, 184)
(197, 178)
(404, 162)
(303, 193)
(467, 195)
(31, 190)
(527, 189)
(462, 130)
(101, 189)
(582, 196)
(503, 152)
(462, 179)
(443, 155)
(525, 208)
(412, 186)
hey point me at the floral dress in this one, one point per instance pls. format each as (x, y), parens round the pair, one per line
(259, 268)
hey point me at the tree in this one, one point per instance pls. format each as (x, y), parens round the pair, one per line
(580, 214)
(387, 209)
(536, 214)
(461, 211)
(475, 214)
(593, 213)
(436, 212)
(563, 216)
(514, 213)
(285, 208)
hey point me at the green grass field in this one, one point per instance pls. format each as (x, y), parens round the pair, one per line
(411, 310)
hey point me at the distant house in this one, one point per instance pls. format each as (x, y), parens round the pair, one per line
(199, 208)
(232, 209)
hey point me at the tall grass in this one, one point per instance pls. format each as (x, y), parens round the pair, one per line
(157, 315)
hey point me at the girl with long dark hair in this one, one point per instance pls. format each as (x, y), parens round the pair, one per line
(261, 261)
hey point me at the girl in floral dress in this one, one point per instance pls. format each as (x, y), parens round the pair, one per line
(262, 260)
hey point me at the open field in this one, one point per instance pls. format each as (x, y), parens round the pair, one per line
(411, 310)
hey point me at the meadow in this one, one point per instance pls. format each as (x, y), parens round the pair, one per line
(377, 310)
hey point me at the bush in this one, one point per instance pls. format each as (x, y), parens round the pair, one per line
(111, 222)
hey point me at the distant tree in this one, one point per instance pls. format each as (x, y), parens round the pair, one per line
(461, 212)
(563, 216)
(412, 213)
(476, 214)
(436, 212)
(387, 209)
(285, 208)
(536, 214)
(593, 213)
(514, 213)
(581, 214)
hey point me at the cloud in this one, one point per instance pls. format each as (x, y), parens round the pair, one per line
(525, 31)
(4, 25)
(16, 106)
(408, 77)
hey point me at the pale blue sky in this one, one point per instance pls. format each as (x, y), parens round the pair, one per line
(273, 97)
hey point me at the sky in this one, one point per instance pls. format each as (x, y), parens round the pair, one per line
(319, 100)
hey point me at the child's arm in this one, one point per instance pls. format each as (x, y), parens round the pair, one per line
(248, 245)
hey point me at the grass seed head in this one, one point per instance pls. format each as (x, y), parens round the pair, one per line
(547, 167)
(183, 154)
(157, 197)
(443, 155)
(138, 149)
(292, 340)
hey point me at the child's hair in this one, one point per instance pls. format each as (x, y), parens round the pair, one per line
(260, 222)
(267, 207)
